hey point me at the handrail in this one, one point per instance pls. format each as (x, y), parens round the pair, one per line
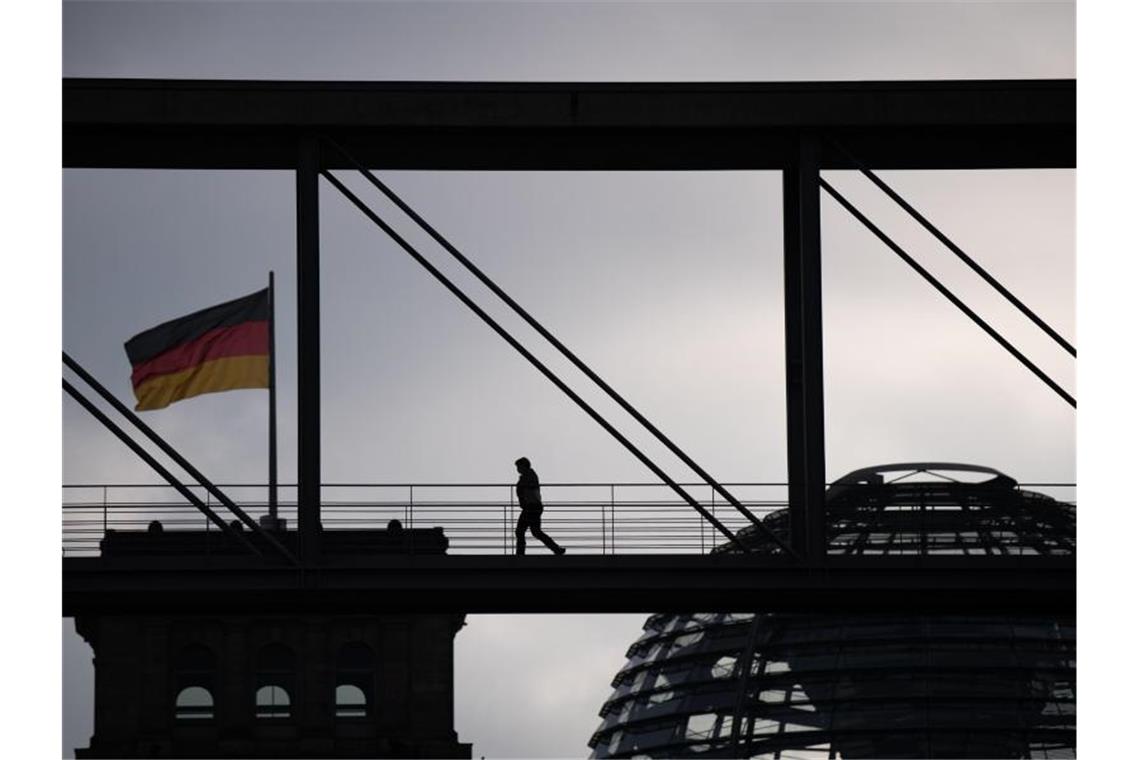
(504, 484)
(589, 518)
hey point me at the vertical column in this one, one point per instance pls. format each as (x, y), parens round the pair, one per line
(316, 690)
(234, 691)
(308, 351)
(803, 351)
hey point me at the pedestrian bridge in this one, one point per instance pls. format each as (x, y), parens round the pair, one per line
(418, 547)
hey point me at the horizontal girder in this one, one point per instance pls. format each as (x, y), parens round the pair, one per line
(601, 584)
(220, 124)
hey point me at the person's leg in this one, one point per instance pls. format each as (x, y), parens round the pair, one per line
(536, 530)
(520, 534)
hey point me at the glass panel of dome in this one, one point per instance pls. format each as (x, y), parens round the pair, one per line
(817, 661)
(818, 633)
(1061, 753)
(618, 693)
(645, 637)
(1043, 660)
(769, 725)
(872, 715)
(687, 639)
(1063, 690)
(646, 737)
(814, 752)
(709, 697)
(1041, 631)
(802, 705)
(615, 739)
(626, 709)
(976, 628)
(873, 656)
(776, 666)
(723, 667)
(700, 726)
(978, 657)
(773, 696)
(875, 631)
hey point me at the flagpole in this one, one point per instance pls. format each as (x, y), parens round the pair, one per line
(272, 409)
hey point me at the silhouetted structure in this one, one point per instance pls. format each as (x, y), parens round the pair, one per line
(272, 684)
(216, 683)
(792, 127)
(865, 685)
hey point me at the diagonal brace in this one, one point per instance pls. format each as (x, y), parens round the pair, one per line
(157, 467)
(178, 458)
(949, 296)
(990, 280)
(550, 338)
(483, 315)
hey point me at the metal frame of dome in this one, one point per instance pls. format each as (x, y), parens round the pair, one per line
(821, 686)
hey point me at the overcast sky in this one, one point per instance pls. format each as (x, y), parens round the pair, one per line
(669, 284)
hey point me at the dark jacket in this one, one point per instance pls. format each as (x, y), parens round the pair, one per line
(527, 491)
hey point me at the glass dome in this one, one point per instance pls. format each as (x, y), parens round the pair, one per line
(768, 685)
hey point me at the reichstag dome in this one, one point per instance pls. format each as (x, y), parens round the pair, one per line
(762, 685)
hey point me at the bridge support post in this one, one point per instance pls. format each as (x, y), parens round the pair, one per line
(803, 351)
(308, 350)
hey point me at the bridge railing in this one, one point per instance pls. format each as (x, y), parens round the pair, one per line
(477, 518)
(594, 518)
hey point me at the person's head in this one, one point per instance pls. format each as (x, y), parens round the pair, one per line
(522, 464)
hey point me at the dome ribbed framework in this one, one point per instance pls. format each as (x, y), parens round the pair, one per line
(759, 684)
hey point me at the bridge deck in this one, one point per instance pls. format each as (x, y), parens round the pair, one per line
(590, 583)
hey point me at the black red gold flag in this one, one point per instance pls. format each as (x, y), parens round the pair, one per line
(222, 348)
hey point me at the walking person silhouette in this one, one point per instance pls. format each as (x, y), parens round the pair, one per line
(530, 502)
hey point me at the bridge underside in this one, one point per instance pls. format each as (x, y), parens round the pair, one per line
(581, 126)
(585, 584)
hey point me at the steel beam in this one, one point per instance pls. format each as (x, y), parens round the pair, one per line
(140, 123)
(308, 350)
(371, 583)
(803, 352)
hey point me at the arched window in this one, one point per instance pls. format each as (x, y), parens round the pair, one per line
(355, 675)
(275, 680)
(194, 702)
(351, 701)
(272, 702)
(194, 683)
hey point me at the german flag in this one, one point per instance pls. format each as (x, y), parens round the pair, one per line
(221, 348)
